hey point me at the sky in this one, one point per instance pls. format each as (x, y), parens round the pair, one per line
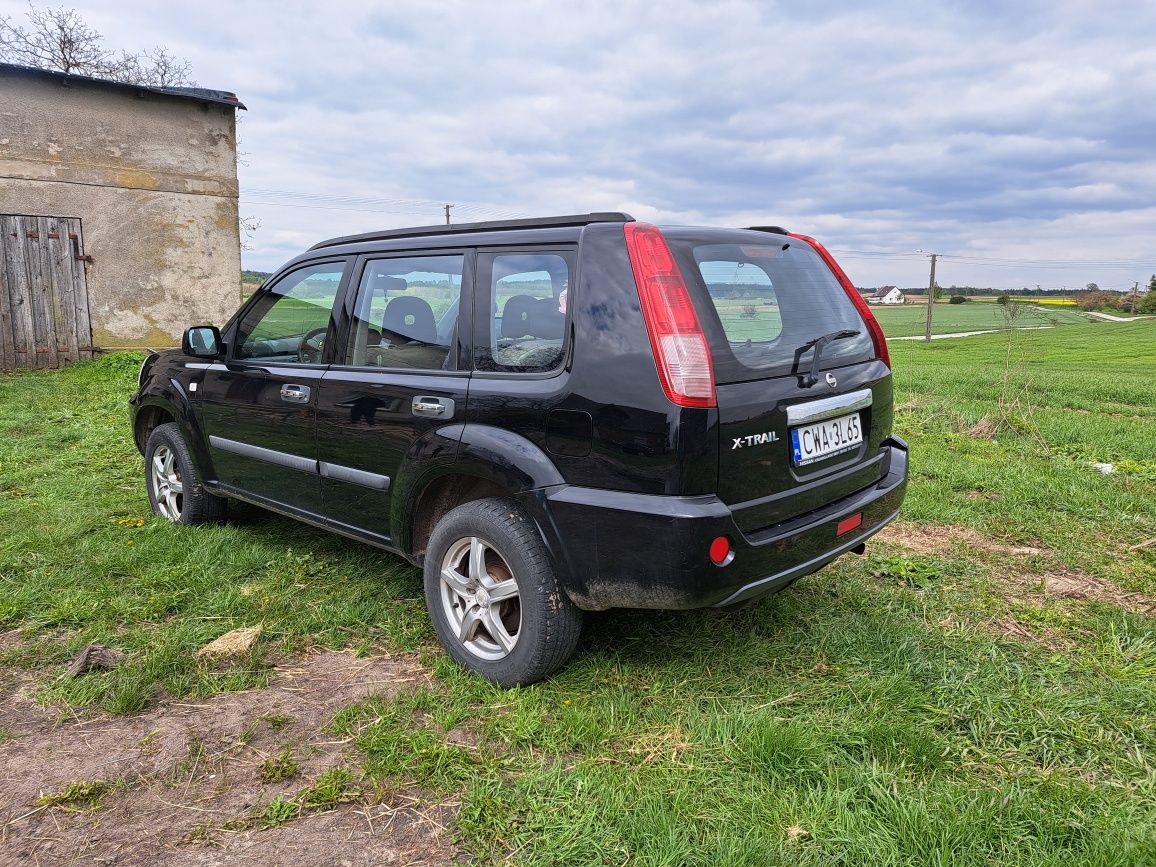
(1018, 140)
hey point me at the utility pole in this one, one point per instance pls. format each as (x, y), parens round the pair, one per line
(930, 297)
(1135, 293)
(447, 207)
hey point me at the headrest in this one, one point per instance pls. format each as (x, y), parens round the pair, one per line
(516, 316)
(410, 317)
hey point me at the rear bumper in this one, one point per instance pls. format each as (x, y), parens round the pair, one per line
(621, 550)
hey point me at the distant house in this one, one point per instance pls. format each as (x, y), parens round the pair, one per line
(886, 295)
(118, 214)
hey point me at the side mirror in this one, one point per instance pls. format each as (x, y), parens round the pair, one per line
(202, 341)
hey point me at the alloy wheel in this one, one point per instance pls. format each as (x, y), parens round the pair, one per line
(480, 598)
(167, 484)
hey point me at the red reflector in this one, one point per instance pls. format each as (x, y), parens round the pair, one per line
(849, 524)
(720, 551)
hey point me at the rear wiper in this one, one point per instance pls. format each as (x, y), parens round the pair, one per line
(819, 344)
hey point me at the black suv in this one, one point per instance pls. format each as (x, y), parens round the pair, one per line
(548, 416)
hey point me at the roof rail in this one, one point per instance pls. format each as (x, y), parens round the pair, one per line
(778, 230)
(488, 226)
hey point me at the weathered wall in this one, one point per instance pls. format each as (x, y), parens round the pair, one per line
(153, 180)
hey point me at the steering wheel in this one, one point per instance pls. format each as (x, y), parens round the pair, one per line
(311, 346)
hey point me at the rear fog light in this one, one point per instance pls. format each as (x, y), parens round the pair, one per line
(849, 524)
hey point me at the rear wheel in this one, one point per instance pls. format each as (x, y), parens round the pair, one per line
(174, 487)
(493, 597)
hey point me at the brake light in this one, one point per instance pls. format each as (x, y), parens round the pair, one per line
(681, 352)
(877, 338)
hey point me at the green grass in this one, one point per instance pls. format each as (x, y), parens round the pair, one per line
(909, 320)
(874, 713)
(82, 794)
(282, 766)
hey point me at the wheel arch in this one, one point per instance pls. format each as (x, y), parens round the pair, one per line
(165, 400)
(488, 462)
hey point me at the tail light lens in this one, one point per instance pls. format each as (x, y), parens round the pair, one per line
(873, 328)
(681, 352)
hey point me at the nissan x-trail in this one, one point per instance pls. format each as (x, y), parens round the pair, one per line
(547, 416)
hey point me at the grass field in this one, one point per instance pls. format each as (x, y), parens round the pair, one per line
(979, 689)
(908, 320)
(744, 319)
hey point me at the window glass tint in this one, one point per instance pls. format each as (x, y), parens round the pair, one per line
(406, 313)
(288, 322)
(528, 295)
(761, 302)
(744, 299)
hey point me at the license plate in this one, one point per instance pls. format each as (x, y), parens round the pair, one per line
(814, 442)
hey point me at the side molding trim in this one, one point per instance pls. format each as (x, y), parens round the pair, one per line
(306, 465)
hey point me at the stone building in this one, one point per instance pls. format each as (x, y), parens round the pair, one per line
(118, 209)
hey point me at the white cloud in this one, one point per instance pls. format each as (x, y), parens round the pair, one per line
(1013, 130)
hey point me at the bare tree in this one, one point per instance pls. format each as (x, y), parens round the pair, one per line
(60, 40)
(155, 68)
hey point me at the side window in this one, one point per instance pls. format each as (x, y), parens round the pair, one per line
(406, 313)
(288, 322)
(528, 299)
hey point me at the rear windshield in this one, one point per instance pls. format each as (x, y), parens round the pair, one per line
(762, 300)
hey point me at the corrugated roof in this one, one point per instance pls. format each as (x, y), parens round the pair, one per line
(199, 94)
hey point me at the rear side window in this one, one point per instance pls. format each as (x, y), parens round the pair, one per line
(528, 301)
(761, 303)
(406, 313)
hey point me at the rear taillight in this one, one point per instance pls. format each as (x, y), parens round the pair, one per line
(873, 328)
(681, 351)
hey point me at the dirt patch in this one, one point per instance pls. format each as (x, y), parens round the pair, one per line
(942, 538)
(185, 771)
(1067, 584)
(11, 639)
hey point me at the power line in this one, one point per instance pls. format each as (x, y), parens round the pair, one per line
(328, 201)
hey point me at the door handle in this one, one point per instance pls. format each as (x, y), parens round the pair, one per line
(440, 406)
(295, 393)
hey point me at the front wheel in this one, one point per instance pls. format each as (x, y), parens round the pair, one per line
(493, 597)
(174, 487)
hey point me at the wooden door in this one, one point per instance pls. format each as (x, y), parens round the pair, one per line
(44, 320)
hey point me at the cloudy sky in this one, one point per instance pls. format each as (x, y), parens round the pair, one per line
(1018, 139)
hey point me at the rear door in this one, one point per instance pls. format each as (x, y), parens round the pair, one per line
(398, 377)
(795, 434)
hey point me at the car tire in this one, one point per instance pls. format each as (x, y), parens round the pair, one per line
(493, 596)
(174, 485)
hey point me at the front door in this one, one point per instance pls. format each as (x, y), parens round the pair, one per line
(398, 377)
(259, 404)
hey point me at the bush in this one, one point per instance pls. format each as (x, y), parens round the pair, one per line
(1098, 300)
(958, 299)
(1002, 299)
(1147, 303)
